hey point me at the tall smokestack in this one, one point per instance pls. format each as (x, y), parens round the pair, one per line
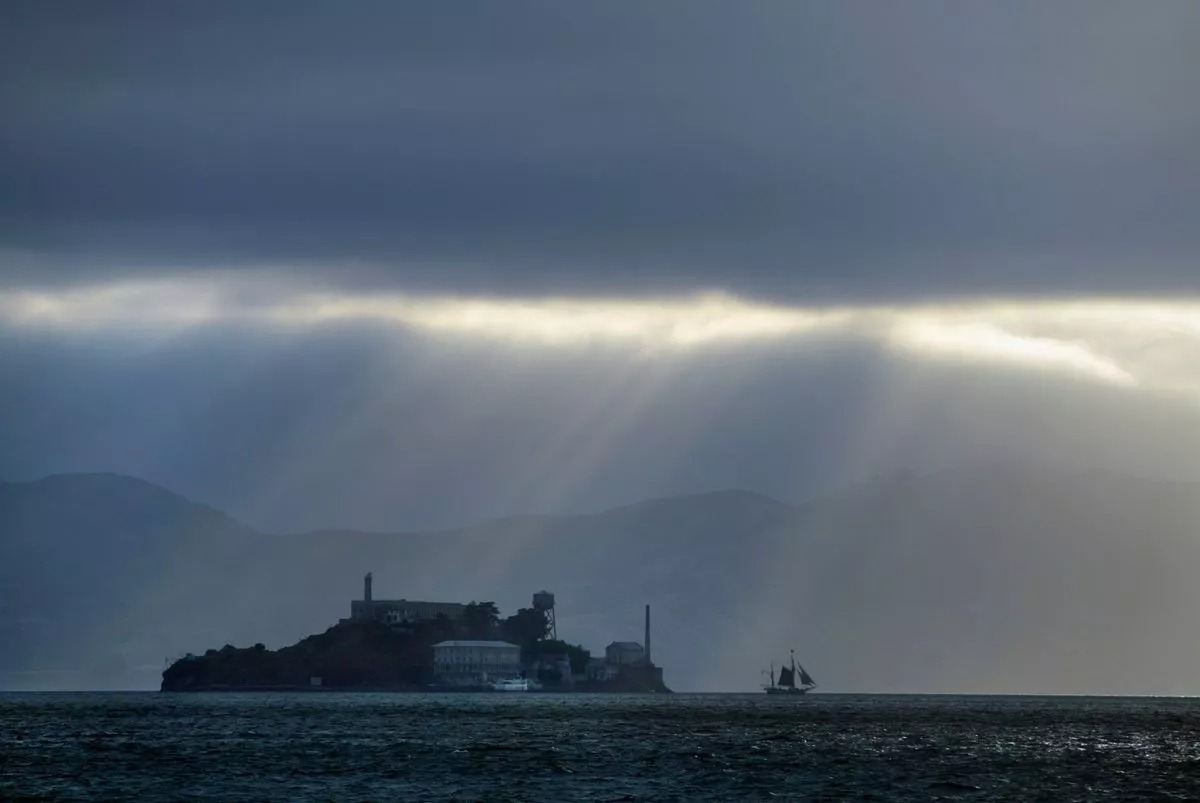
(647, 634)
(367, 588)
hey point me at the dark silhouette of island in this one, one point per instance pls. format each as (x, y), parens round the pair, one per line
(365, 653)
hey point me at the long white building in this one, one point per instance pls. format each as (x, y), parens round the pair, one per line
(471, 663)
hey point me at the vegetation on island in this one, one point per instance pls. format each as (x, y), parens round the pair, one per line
(353, 653)
(369, 654)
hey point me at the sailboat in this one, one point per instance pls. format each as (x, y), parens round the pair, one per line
(788, 677)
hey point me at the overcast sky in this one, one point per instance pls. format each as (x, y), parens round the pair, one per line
(407, 264)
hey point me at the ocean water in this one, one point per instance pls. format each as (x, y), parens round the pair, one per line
(330, 746)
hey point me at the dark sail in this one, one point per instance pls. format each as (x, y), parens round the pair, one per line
(806, 679)
(786, 678)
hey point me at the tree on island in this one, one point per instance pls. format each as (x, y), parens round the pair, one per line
(480, 620)
(526, 627)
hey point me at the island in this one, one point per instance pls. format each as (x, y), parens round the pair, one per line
(418, 646)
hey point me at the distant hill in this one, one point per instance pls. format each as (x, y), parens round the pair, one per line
(995, 579)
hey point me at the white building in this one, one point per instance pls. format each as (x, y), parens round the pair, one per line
(470, 663)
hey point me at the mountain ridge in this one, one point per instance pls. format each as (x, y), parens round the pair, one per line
(102, 481)
(70, 479)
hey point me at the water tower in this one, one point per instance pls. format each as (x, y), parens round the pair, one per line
(544, 601)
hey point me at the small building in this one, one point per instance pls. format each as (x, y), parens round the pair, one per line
(624, 653)
(471, 663)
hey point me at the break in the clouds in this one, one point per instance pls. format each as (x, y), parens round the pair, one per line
(1142, 345)
(837, 150)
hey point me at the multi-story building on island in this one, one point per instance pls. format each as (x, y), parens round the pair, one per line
(400, 611)
(625, 653)
(627, 664)
(472, 663)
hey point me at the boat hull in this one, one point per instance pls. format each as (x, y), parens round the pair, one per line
(783, 690)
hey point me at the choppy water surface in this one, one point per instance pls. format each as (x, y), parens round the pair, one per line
(323, 746)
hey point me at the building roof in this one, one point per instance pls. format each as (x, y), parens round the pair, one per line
(626, 645)
(459, 643)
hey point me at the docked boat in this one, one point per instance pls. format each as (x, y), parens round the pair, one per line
(511, 684)
(792, 679)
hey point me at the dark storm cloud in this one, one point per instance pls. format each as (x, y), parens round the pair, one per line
(844, 149)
